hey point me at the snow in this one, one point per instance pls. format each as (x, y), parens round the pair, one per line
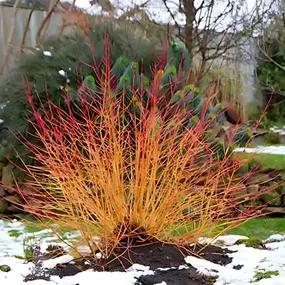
(224, 240)
(62, 73)
(253, 260)
(280, 149)
(11, 248)
(275, 237)
(277, 130)
(51, 263)
(47, 53)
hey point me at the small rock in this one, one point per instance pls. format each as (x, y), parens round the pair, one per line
(238, 266)
(3, 206)
(274, 210)
(2, 192)
(5, 268)
(7, 175)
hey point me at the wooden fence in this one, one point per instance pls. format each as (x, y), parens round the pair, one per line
(22, 18)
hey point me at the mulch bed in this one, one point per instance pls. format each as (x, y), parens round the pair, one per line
(156, 255)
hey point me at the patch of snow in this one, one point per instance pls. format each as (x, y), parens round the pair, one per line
(62, 73)
(271, 259)
(138, 267)
(51, 263)
(275, 280)
(84, 249)
(99, 255)
(47, 53)
(280, 131)
(262, 149)
(275, 237)
(230, 239)
(252, 260)
(224, 240)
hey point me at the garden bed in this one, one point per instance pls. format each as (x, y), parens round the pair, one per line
(224, 262)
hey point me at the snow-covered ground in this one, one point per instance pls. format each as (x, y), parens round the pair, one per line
(272, 149)
(277, 130)
(253, 261)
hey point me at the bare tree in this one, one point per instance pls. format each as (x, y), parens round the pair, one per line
(208, 28)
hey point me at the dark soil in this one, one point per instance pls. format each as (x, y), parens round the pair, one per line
(187, 276)
(156, 255)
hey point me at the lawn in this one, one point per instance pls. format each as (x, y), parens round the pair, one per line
(260, 228)
(268, 161)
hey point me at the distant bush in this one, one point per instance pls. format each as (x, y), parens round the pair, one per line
(270, 72)
(60, 67)
(272, 138)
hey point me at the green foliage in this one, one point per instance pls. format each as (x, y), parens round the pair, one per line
(265, 160)
(243, 136)
(262, 274)
(270, 72)
(251, 242)
(272, 138)
(59, 67)
(14, 233)
(70, 54)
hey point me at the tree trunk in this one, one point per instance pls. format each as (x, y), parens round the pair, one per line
(190, 13)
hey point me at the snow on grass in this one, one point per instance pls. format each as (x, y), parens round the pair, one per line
(253, 261)
(224, 240)
(280, 149)
(13, 236)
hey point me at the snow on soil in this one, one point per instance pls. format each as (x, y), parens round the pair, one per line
(271, 259)
(279, 149)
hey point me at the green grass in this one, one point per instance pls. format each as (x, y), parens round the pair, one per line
(255, 229)
(260, 228)
(14, 233)
(272, 161)
(262, 274)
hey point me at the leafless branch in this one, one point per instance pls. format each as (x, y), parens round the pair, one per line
(27, 26)
(46, 20)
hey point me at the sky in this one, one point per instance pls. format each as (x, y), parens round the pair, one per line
(157, 11)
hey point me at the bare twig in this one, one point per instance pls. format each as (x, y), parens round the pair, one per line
(27, 26)
(268, 57)
(46, 20)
